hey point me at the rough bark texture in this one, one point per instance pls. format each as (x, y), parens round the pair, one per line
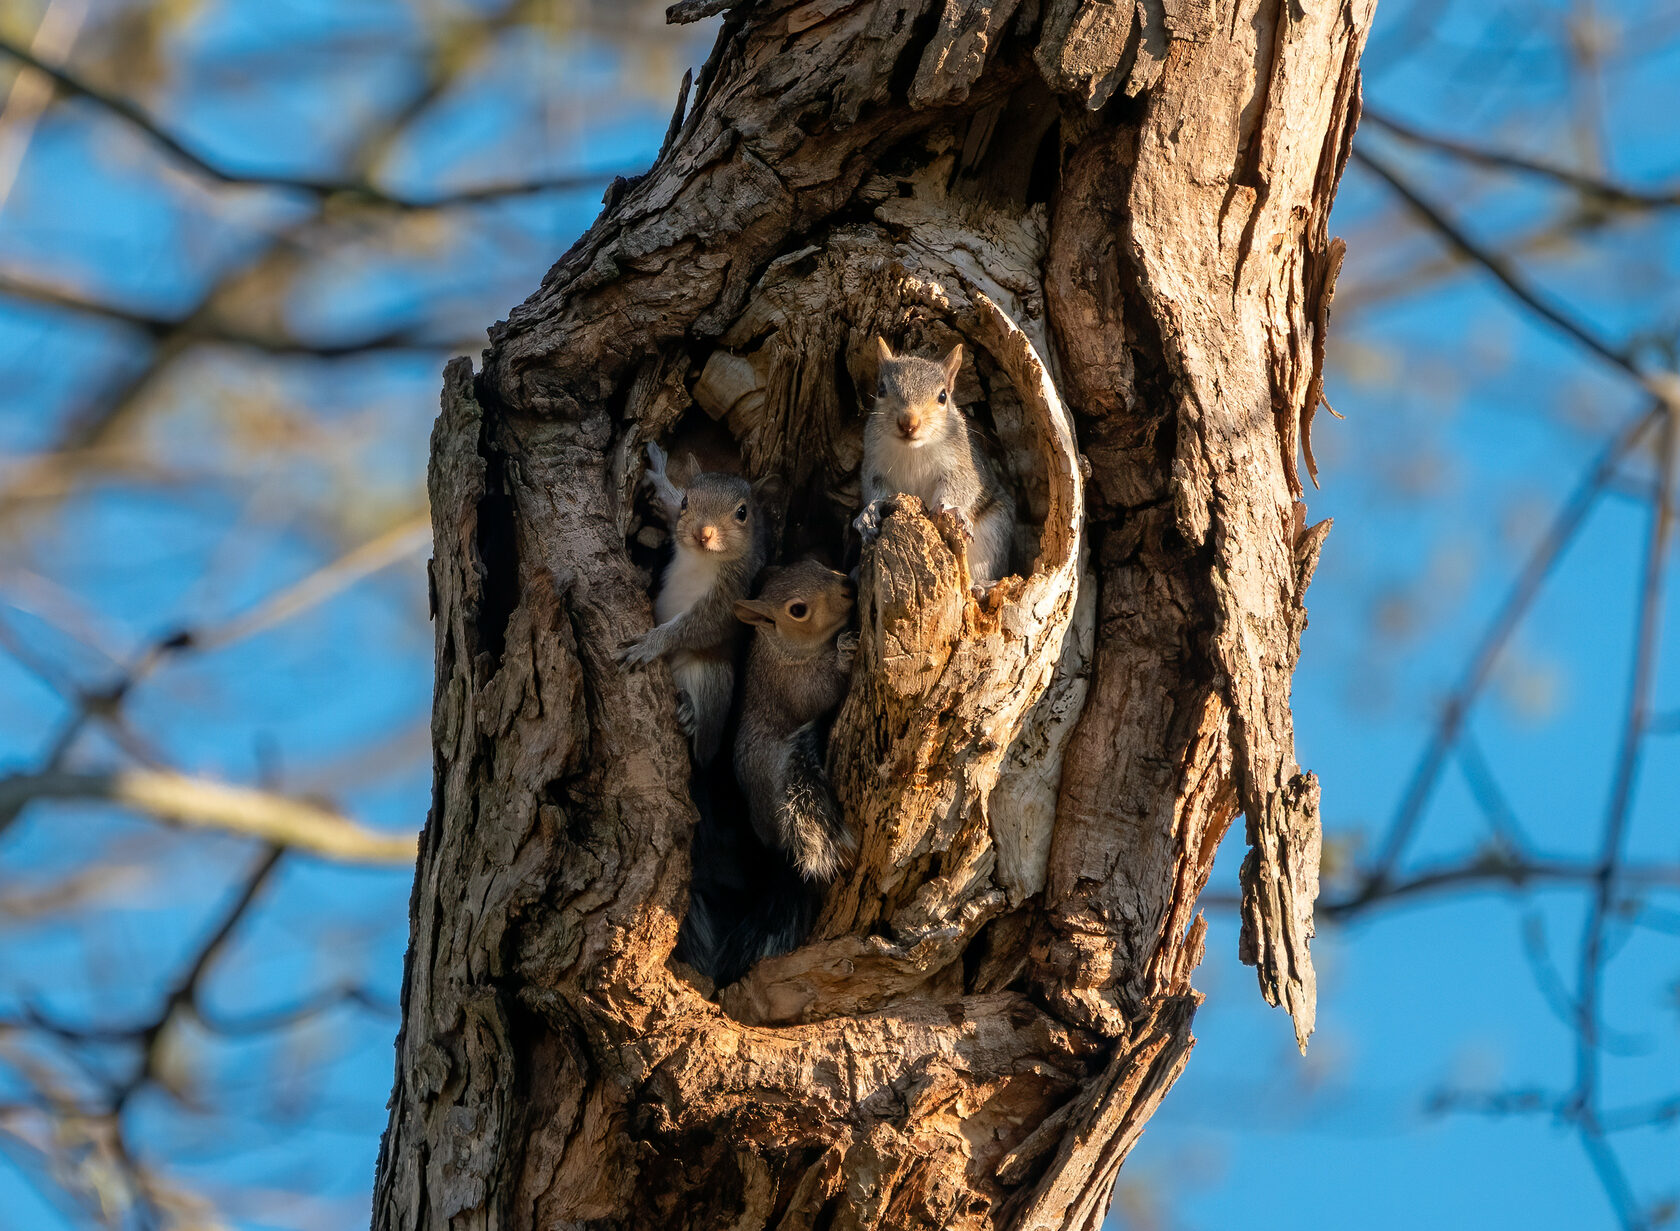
(1121, 208)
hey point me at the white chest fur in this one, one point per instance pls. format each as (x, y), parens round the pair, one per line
(687, 578)
(914, 470)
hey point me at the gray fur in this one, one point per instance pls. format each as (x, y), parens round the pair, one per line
(948, 466)
(792, 683)
(701, 639)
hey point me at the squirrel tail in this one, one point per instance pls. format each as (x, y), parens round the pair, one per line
(808, 819)
(699, 942)
(778, 921)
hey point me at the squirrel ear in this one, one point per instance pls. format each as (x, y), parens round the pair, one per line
(883, 352)
(751, 611)
(952, 365)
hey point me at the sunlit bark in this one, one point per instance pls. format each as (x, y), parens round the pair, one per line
(1121, 209)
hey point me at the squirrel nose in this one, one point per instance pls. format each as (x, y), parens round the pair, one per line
(707, 535)
(907, 424)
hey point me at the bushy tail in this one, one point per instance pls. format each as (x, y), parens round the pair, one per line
(752, 899)
(777, 922)
(808, 819)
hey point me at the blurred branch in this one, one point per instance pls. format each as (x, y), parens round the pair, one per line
(1499, 872)
(1558, 536)
(106, 703)
(451, 53)
(95, 882)
(1641, 690)
(361, 189)
(271, 1020)
(382, 551)
(195, 327)
(31, 91)
(1591, 185)
(1501, 269)
(1494, 869)
(1659, 1113)
(202, 804)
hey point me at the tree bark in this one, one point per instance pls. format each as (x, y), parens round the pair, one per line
(1121, 208)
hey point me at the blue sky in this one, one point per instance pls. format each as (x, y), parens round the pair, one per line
(1466, 424)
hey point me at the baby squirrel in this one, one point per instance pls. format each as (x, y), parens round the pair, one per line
(797, 672)
(720, 540)
(918, 443)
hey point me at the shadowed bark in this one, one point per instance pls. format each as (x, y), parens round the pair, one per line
(1120, 209)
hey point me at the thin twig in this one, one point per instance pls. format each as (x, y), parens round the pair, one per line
(194, 327)
(1484, 870)
(1641, 689)
(363, 189)
(380, 552)
(1501, 269)
(1558, 536)
(1591, 185)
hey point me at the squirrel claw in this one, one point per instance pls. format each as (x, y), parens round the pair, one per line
(635, 653)
(868, 522)
(685, 714)
(959, 519)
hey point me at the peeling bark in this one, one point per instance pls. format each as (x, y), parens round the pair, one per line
(1121, 209)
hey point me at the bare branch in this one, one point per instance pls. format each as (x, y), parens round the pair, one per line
(355, 189)
(379, 552)
(195, 327)
(197, 803)
(1501, 269)
(1591, 185)
(1558, 536)
(1641, 691)
(1490, 870)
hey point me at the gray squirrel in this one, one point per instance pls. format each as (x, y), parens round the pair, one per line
(719, 540)
(797, 671)
(918, 443)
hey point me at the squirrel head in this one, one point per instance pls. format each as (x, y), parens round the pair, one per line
(916, 395)
(719, 517)
(804, 605)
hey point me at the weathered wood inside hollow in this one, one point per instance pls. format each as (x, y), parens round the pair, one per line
(1121, 210)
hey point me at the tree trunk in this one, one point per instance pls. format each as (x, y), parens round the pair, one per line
(1121, 208)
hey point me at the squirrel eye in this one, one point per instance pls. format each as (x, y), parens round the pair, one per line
(685, 503)
(741, 513)
(796, 610)
(942, 397)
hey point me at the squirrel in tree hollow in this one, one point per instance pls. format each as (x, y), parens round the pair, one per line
(797, 672)
(918, 443)
(719, 541)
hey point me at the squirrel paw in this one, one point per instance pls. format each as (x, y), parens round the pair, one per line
(637, 653)
(685, 714)
(868, 522)
(845, 649)
(959, 519)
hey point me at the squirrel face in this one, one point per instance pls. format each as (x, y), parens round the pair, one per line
(718, 517)
(804, 605)
(916, 395)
